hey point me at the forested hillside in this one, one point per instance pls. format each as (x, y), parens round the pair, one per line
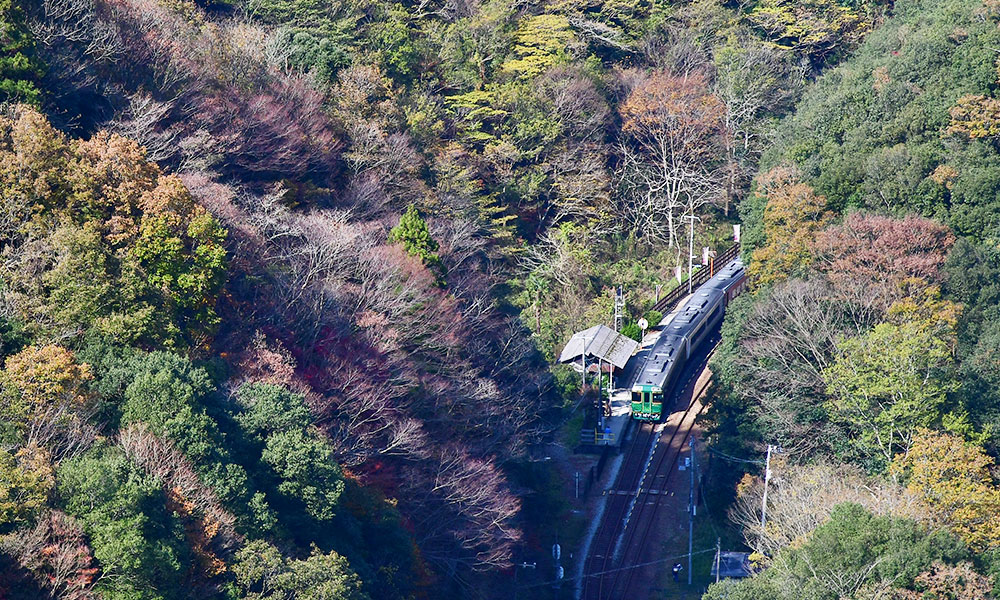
(868, 351)
(282, 280)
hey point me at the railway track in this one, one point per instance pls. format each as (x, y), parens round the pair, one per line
(665, 462)
(630, 513)
(616, 509)
(667, 302)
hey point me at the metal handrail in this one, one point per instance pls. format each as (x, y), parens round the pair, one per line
(698, 278)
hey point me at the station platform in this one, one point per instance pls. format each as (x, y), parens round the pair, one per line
(613, 429)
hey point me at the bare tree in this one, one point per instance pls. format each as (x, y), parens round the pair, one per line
(802, 497)
(462, 503)
(669, 148)
(785, 344)
(160, 459)
(55, 551)
(753, 80)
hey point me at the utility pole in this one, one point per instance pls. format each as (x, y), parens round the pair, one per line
(524, 565)
(600, 374)
(763, 504)
(718, 557)
(690, 219)
(691, 510)
(619, 307)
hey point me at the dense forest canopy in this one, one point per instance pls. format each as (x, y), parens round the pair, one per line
(868, 351)
(282, 282)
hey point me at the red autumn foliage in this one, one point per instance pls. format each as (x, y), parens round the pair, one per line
(880, 253)
(56, 553)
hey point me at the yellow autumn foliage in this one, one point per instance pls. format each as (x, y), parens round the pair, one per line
(953, 478)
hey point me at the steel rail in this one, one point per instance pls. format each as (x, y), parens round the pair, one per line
(670, 456)
(617, 506)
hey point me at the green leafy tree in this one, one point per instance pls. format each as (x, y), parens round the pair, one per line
(847, 557)
(299, 458)
(631, 330)
(307, 471)
(540, 42)
(891, 381)
(19, 69)
(139, 544)
(269, 409)
(953, 478)
(870, 133)
(170, 394)
(25, 482)
(393, 42)
(416, 238)
(165, 393)
(262, 573)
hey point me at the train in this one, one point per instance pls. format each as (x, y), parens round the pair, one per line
(682, 336)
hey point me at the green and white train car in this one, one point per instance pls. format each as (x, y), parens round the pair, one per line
(685, 333)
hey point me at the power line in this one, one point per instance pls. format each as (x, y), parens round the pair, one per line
(625, 568)
(733, 458)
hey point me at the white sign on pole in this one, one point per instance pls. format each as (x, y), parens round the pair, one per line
(643, 324)
(679, 276)
(704, 256)
(736, 233)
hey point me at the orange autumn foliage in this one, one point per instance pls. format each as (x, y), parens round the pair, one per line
(794, 214)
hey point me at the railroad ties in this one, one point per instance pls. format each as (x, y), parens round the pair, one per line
(633, 492)
(633, 501)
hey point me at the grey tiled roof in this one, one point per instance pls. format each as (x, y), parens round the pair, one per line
(733, 564)
(600, 342)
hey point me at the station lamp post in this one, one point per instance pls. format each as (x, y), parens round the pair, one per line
(690, 219)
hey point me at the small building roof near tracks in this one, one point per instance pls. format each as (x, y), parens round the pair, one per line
(733, 565)
(599, 342)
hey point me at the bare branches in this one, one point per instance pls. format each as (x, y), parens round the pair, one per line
(785, 344)
(669, 148)
(161, 460)
(180, 82)
(752, 80)
(800, 498)
(56, 553)
(464, 501)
